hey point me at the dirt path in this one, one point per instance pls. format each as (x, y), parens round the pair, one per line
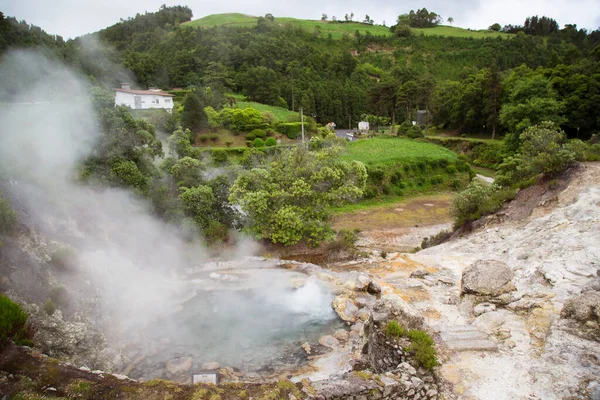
(401, 226)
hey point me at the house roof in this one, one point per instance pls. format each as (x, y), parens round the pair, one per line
(145, 92)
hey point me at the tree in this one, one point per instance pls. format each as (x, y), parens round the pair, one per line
(492, 91)
(286, 200)
(193, 116)
(450, 20)
(531, 100)
(544, 148)
(324, 17)
(188, 172)
(198, 203)
(495, 27)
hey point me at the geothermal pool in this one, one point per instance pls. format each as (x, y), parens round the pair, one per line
(254, 319)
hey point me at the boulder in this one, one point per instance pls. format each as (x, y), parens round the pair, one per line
(179, 365)
(345, 308)
(487, 278)
(211, 366)
(341, 334)
(584, 307)
(329, 341)
(374, 288)
(395, 307)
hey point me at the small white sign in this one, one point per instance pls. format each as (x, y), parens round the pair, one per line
(205, 377)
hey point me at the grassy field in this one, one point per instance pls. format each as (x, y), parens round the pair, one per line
(280, 112)
(336, 29)
(469, 139)
(385, 151)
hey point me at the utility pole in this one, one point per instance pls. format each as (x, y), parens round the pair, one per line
(302, 119)
(350, 122)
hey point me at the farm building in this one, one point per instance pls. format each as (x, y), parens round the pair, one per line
(143, 99)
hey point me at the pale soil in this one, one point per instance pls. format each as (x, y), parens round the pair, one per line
(551, 240)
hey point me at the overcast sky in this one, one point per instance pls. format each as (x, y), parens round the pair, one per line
(71, 18)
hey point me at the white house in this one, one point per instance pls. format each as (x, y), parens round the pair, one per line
(143, 99)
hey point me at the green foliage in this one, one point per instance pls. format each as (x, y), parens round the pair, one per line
(126, 173)
(8, 217)
(49, 307)
(258, 143)
(193, 117)
(241, 120)
(219, 156)
(13, 321)
(198, 203)
(270, 142)
(285, 200)
(544, 147)
(259, 133)
(436, 239)
(531, 101)
(421, 346)
(393, 328)
(291, 129)
(423, 349)
(477, 200)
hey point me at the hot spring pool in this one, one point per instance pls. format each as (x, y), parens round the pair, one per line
(252, 319)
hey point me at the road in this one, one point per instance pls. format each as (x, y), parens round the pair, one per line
(343, 133)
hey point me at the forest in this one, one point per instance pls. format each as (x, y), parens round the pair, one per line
(493, 87)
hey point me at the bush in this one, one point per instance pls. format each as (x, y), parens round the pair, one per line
(271, 142)
(49, 307)
(436, 239)
(8, 217)
(258, 143)
(259, 133)
(250, 136)
(13, 322)
(214, 137)
(422, 348)
(467, 203)
(228, 143)
(219, 156)
(291, 129)
(414, 132)
(393, 328)
(203, 138)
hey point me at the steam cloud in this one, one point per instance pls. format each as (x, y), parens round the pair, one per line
(127, 258)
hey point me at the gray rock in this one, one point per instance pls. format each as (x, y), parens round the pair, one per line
(406, 315)
(374, 288)
(420, 273)
(487, 278)
(179, 365)
(483, 308)
(211, 366)
(329, 341)
(341, 334)
(585, 307)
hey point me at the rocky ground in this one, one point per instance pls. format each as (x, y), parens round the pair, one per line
(516, 301)
(513, 306)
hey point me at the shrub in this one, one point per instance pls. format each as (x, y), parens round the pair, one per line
(228, 143)
(219, 156)
(436, 239)
(422, 348)
(59, 295)
(271, 142)
(8, 217)
(260, 133)
(203, 138)
(248, 143)
(214, 137)
(62, 258)
(414, 132)
(258, 143)
(250, 136)
(384, 254)
(13, 322)
(291, 129)
(49, 307)
(393, 328)
(467, 203)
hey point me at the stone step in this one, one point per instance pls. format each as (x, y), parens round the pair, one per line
(471, 345)
(458, 328)
(463, 335)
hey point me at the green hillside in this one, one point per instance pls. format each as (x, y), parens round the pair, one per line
(280, 112)
(336, 29)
